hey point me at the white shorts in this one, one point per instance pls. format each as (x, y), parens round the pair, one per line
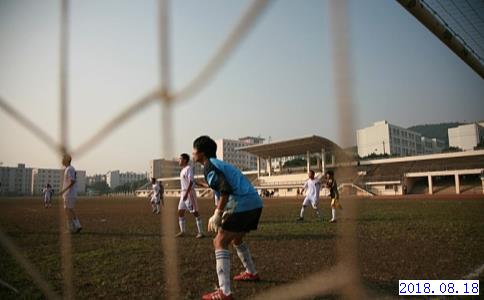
(46, 199)
(155, 200)
(313, 202)
(190, 204)
(69, 202)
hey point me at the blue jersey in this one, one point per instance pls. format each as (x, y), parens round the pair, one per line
(225, 178)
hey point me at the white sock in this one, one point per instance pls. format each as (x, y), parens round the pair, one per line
(246, 258)
(333, 212)
(181, 222)
(318, 213)
(222, 258)
(199, 224)
(302, 212)
(157, 208)
(77, 223)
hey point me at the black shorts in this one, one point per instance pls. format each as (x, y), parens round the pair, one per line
(243, 221)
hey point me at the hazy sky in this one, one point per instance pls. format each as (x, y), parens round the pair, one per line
(278, 83)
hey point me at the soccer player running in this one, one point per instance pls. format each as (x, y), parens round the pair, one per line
(188, 197)
(47, 191)
(155, 196)
(333, 192)
(312, 186)
(69, 194)
(230, 225)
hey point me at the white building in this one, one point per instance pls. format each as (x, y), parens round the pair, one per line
(30, 181)
(43, 176)
(430, 146)
(116, 178)
(227, 151)
(385, 138)
(162, 168)
(40, 178)
(15, 180)
(96, 178)
(467, 136)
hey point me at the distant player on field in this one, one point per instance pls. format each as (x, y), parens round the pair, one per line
(47, 191)
(162, 193)
(188, 197)
(233, 219)
(155, 196)
(312, 186)
(333, 192)
(69, 194)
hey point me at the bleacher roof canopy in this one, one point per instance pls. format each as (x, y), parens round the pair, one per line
(299, 146)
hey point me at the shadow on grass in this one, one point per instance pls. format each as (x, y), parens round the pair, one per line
(119, 234)
(289, 236)
(380, 218)
(84, 233)
(381, 289)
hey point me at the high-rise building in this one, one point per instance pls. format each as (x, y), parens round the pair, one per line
(385, 138)
(162, 168)
(30, 181)
(116, 178)
(55, 177)
(15, 180)
(96, 178)
(467, 136)
(227, 151)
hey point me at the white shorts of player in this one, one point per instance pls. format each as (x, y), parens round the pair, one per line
(69, 202)
(155, 200)
(190, 204)
(309, 201)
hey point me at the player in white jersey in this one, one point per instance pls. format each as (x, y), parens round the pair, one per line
(69, 194)
(156, 195)
(188, 197)
(47, 191)
(312, 186)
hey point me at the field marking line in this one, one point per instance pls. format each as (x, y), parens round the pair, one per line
(5, 284)
(475, 273)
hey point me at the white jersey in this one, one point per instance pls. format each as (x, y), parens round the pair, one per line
(70, 175)
(156, 196)
(187, 177)
(312, 187)
(47, 193)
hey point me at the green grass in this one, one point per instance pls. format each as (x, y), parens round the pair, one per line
(118, 254)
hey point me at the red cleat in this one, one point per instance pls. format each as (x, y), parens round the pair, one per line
(217, 295)
(246, 276)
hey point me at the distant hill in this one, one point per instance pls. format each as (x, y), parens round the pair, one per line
(438, 131)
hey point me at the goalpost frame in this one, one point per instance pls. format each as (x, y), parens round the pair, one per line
(429, 20)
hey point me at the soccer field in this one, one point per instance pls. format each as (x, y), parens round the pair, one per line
(118, 254)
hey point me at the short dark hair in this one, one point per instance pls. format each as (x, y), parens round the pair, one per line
(153, 179)
(330, 173)
(311, 171)
(206, 145)
(185, 157)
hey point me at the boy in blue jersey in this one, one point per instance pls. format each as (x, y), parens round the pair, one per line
(238, 212)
